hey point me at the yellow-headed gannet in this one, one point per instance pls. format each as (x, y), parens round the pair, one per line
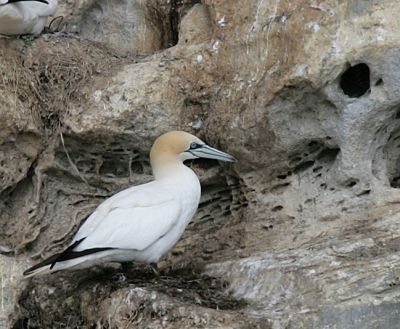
(141, 223)
(25, 16)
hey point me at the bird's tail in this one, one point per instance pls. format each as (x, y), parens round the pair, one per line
(67, 259)
(38, 271)
(43, 267)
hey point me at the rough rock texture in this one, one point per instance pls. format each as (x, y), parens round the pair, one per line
(302, 232)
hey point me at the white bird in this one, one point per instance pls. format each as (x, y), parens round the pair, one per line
(141, 223)
(25, 16)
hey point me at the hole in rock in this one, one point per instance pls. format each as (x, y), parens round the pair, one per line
(379, 82)
(366, 192)
(352, 182)
(314, 146)
(279, 189)
(179, 9)
(328, 155)
(284, 176)
(395, 182)
(303, 166)
(277, 208)
(316, 169)
(268, 227)
(294, 160)
(355, 81)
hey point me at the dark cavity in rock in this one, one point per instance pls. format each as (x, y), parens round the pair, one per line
(355, 81)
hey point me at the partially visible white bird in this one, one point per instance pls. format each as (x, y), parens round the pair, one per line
(141, 223)
(25, 16)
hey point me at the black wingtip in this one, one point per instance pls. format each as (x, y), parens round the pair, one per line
(67, 254)
(52, 260)
(46, 262)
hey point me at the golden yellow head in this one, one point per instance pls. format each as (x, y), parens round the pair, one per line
(178, 146)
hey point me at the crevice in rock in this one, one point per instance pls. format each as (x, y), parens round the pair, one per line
(102, 159)
(386, 160)
(364, 193)
(22, 323)
(313, 155)
(284, 176)
(328, 155)
(351, 182)
(279, 188)
(174, 20)
(303, 166)
(277, 208)
(171, 18)
(13, 200)
(355, 81)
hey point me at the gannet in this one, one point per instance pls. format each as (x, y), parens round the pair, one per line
(141, 223)
(25, 16)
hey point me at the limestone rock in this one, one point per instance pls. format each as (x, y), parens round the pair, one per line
(195, 26)
(121, 24)
(302, 232)
(11, 284)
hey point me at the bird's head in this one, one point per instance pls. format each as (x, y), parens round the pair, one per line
(178, 146)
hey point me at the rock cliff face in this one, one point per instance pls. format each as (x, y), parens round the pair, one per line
(302, 232)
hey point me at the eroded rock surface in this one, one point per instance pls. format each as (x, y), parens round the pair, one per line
(302, 232)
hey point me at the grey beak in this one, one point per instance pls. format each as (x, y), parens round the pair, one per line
(209, 152)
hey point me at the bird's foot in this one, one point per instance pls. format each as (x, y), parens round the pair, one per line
(28, 38)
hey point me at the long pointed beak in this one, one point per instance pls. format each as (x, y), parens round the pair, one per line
(209, 152)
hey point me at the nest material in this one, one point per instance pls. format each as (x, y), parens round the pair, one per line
(49, 75)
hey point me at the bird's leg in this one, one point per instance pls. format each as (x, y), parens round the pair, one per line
(28, 38)
(154, 268)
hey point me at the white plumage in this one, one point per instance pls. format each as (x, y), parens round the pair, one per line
(141, 223)
(19, 17)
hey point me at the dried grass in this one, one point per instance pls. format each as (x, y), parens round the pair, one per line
(50, 75)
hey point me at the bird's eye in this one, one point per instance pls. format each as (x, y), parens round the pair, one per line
(194, 145)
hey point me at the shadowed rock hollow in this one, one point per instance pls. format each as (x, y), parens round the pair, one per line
(302, 232)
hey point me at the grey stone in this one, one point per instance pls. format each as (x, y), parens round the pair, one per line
(302, 232)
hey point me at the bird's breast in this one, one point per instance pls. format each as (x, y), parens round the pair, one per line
(187, 191)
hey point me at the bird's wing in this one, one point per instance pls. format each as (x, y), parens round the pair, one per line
(39, 9)
(50, 9)
(132, 219)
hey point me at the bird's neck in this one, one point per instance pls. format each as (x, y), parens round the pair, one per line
(182, 181)
(173, 171)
